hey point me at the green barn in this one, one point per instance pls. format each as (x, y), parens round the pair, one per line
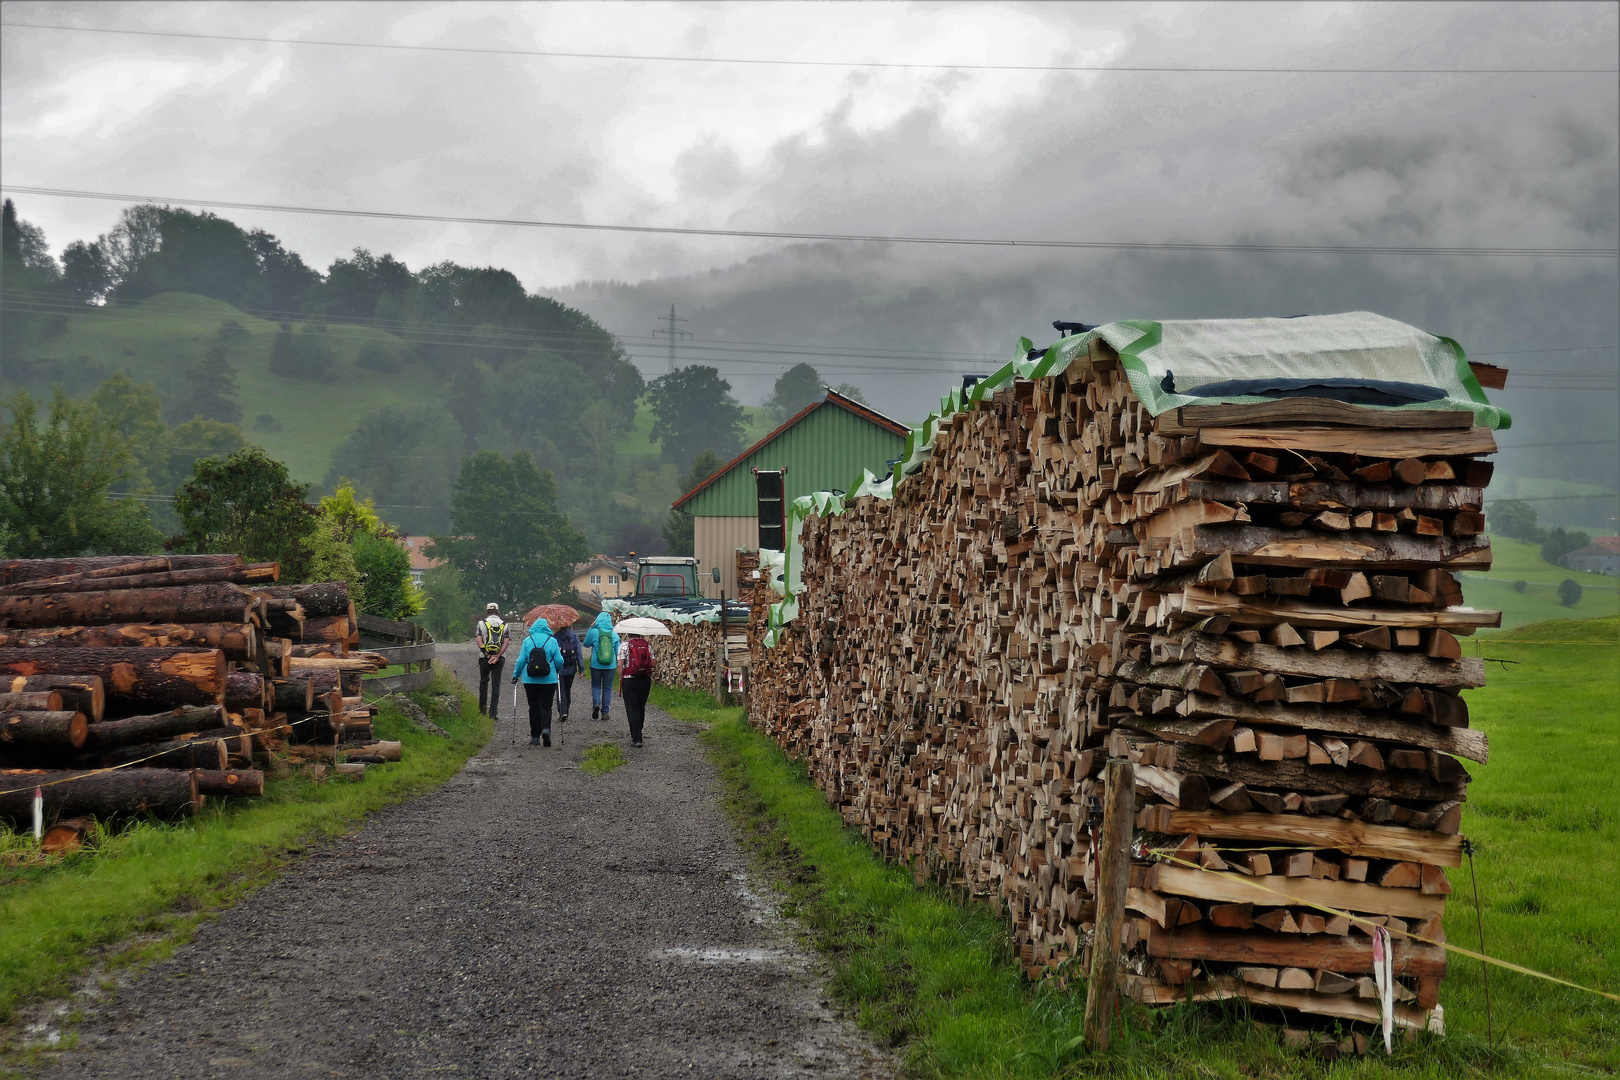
(824, 446)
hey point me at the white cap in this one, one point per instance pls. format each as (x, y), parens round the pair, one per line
(492, 607)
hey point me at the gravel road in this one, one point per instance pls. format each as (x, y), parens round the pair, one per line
(527, 919)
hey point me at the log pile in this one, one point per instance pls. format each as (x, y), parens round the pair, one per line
(144, 684)
(1253, 603)
(687, 657)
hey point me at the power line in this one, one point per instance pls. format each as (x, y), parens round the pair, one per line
(557, 54)
(862, 238)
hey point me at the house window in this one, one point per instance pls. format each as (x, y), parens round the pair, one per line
(596, 579)
(613, 579)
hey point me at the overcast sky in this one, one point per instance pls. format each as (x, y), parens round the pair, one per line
(1409, 159)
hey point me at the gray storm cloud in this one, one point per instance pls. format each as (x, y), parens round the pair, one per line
(1352, 158)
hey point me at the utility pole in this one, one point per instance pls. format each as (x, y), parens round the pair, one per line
(672, 333)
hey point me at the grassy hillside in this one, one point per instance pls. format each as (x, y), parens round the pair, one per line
(1518, 560)
(299, 421)
(1545, 819)
(160, 340)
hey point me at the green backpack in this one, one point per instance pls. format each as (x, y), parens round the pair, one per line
(603, 656)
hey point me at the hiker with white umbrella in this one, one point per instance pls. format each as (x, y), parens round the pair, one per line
(636, 663)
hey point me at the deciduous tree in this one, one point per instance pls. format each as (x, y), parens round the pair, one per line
(509, 540)
(55, 480)
(694, 412)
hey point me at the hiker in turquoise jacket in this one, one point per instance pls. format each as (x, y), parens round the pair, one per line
(541, 690)
(602, 645)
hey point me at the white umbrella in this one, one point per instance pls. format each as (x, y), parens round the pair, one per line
(642, 627)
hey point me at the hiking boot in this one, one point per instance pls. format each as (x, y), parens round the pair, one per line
(546, 736)
(534, 740)
(596, 712)
(635, 742)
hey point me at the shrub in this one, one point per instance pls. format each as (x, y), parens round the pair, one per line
(1520, 586)
(1569, 593)
(376, 357)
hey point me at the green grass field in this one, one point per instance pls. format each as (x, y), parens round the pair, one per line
(1519, 560)
(148, 877)
(937, 979)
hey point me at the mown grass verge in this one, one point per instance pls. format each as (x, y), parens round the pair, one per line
(156, 877)
(936, 979)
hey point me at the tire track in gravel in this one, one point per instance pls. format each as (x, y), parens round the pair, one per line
(524, 920)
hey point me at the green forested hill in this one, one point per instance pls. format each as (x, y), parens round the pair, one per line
(162, 339)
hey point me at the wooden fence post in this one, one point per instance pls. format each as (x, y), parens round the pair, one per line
(1113, 875)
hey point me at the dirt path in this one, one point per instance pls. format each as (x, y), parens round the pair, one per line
(527, 919)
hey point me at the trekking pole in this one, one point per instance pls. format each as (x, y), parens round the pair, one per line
(514, 714)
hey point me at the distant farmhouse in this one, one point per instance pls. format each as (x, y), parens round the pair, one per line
(1601, 556)
(823, 446)
(420, 563)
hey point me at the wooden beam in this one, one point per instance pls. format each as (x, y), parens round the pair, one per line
(1351, 837)
(1397, 667)
(1351, 896)
(1305, 410)
(1322, 951)
(1316, 495)
(1392, 444)
(1295, 775)
(1307, 547)
(1463, 742)
(1113, 877)
(1199, 601)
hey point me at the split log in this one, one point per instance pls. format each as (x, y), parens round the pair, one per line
(238, 641)
(81, 693)
(1350, 896)
(136, 680)
(194, 603)
(103, 794)
(1350, 837)
(1361, 724)
(43, 730)
(144, 729)
(1396, 667)
(1296, 775)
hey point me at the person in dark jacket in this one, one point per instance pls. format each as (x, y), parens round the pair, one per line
(602, 645)
(572, 661)
(541, 690)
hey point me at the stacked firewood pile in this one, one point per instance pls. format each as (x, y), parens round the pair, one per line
(686, 658)
(1255, 604)
(144, 685)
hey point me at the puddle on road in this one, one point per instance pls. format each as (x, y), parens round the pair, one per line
(727, 956)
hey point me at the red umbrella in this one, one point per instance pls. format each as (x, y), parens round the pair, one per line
(557, 616)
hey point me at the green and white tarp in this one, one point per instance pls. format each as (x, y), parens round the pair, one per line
(654, 611)
(1354, 345)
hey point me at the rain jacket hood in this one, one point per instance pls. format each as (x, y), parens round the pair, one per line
(602, 626)
(539, 637)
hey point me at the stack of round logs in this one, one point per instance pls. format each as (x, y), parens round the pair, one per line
(132, 684)
(1254, 604)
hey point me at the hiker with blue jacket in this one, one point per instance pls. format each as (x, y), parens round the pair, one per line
(537, 665)
(573, 660)
(602, 643)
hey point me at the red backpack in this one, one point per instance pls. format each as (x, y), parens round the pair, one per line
(639, 659)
